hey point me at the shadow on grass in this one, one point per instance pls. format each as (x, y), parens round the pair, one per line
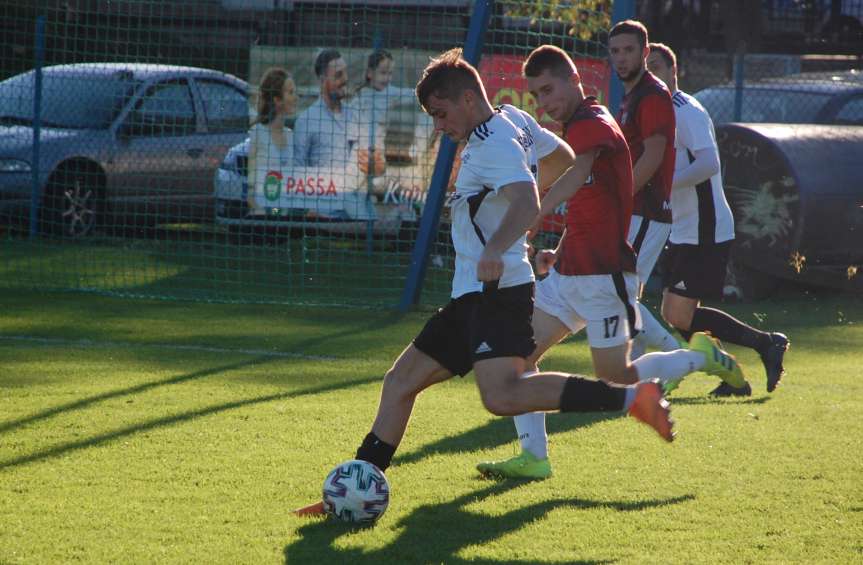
(85, 402)
(436, 533)
(174, 419)
(498, 432)
(701, 400)
(357, 329)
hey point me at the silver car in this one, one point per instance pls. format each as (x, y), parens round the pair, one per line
(130, 142)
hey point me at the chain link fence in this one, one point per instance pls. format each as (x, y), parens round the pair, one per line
(240, 150)
(193, 150)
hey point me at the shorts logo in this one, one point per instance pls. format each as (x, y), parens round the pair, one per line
(680, 286)
(483, 348)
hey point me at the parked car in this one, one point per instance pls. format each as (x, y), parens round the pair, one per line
(129, 141)
(819, 98)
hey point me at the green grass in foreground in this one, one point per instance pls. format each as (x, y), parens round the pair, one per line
(142, 431)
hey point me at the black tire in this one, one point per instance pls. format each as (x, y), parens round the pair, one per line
(73, 203)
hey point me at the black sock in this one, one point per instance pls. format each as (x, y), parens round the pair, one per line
(376, 451)
(686, 334)
(728, 328)
(585, 395)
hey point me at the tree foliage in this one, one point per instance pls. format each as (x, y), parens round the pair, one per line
(584, 18)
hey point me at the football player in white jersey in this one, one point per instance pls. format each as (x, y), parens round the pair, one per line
(486, 326)
(702, 233)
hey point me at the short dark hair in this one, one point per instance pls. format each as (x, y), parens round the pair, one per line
(551, 58)
(447, 76)
(633, 27)
(322, 61)
(665, 52)
(377, 57)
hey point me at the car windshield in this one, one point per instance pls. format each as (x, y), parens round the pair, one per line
(767, 105)
(77, 100)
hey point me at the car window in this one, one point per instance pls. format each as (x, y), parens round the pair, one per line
(166, 110)
(98, 96)
(764, 105)
(226, 107)
(852, 112)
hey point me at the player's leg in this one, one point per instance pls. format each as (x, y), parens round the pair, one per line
(548, 329)
(648, 239)
(698, 272)
(613, 313)
(552, 321)
(413, 372)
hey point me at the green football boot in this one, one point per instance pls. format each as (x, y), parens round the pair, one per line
(719, 363)
(524, 466)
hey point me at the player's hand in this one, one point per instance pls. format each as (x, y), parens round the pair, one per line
(545, 260)
(374, 168)
(490, 266)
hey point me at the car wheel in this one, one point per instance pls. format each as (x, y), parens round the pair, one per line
(73, 204)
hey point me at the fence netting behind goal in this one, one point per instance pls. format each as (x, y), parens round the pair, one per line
(249, 151)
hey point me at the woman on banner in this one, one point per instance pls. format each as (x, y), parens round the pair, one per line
(271, 146)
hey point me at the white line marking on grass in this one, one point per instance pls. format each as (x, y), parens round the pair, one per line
(171, 346)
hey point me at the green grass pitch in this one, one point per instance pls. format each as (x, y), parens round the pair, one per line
(136, 431)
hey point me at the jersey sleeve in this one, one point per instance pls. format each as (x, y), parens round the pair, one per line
(501, 163)
(590, 134)
(656, 116)
(546, 141)
(695, 129)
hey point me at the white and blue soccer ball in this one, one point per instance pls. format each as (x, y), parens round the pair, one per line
(356, 491)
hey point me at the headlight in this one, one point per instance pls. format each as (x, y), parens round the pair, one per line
(14, 166)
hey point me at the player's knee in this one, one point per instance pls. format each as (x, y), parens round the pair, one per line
(677, 317)
(500, 400)
(401, 383)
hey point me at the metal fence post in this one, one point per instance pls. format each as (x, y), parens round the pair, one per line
(37, 120)
(443, 165)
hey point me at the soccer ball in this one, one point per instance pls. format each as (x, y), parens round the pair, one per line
(356, 491)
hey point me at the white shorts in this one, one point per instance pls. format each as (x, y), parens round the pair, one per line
(605, 304)
(647, 243)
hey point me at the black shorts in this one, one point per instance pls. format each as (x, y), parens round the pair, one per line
(478, 326)
(695, 271)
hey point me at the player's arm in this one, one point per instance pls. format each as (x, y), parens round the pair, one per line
(523, 207)
(705, 165)
(569, 183)
(553, 165)
(648, 163)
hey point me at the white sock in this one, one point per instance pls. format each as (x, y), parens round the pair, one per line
(668, 366)
(531, 431)
(653, 333)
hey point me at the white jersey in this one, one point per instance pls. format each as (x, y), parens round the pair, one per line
(700, 214)
(503, 150)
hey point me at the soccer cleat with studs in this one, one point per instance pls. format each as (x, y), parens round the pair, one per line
(523, 466)
(717, 362)
(651, 408)
(772, 359)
